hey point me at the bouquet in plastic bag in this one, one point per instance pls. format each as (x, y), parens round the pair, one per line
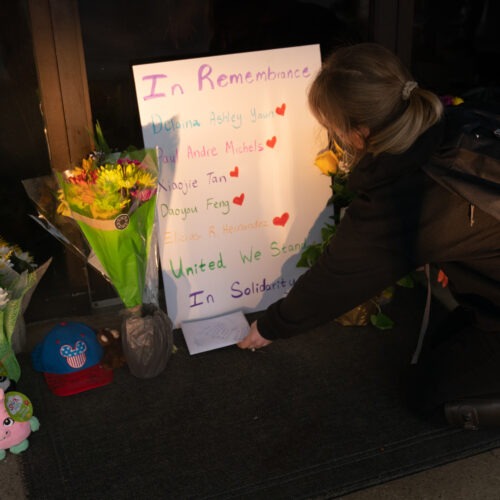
(111, 196)
(19, 275)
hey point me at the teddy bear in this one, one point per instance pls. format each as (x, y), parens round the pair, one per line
(111, 342)
(16, 422)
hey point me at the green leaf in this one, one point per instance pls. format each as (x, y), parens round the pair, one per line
(327, 231)
(385, 296)
(381, 321)
(302, 262)
(406, 281)
(310, 255)
(100, 142)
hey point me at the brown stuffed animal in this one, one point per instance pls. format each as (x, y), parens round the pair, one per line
(111, 341)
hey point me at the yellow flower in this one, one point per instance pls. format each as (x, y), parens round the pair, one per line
(63, 207)
(87, 165)
(330, 160)
(327, 162)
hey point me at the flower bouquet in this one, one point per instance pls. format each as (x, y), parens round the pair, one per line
(112, 199)
(18, 277)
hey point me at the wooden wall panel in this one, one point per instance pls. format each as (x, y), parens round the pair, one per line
(392, 26)
(62, 79)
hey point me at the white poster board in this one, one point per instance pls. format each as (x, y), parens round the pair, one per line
(239, 195)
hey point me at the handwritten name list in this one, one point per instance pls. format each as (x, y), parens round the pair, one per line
(238, 195)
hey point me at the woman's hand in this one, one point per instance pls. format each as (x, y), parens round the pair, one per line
(254, 339)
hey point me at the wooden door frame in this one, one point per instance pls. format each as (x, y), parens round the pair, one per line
(65, 107)
(391, 24)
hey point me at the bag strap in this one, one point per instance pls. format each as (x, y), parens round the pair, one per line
(425, 319)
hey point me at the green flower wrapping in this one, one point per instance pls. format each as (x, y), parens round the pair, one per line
(112, 198)
(17, 277)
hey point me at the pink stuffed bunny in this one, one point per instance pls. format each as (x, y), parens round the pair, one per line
(16, 422)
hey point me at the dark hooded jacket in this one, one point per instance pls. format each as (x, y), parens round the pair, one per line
(400, 220)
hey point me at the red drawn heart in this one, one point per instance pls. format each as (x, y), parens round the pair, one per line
(281, 109)
(271, 142)
(235, 172)
(281, 221)
(238, 200)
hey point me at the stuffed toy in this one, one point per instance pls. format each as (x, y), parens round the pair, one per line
(111, 341)
(16, 422)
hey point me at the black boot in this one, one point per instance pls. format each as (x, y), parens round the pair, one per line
(473, 413)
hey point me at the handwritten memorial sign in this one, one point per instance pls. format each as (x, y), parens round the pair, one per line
(238, 196)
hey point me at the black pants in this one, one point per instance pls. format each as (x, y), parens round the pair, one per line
(458, 361)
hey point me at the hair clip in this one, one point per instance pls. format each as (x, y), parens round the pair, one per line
(408, 89)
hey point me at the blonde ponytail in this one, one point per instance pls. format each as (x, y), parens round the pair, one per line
(366, 87)
(423, 110)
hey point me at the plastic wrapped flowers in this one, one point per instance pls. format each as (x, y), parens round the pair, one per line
(17, 277)
(112, 199)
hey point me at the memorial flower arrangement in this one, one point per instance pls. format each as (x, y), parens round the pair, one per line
(111, 196)
(332, 163)
(17, 276)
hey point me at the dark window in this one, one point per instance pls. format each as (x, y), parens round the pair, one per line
(151, 30)
(456, 46)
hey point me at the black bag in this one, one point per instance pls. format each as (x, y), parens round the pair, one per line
(468, 161)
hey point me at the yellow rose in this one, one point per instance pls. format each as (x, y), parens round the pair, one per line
(327, 162)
